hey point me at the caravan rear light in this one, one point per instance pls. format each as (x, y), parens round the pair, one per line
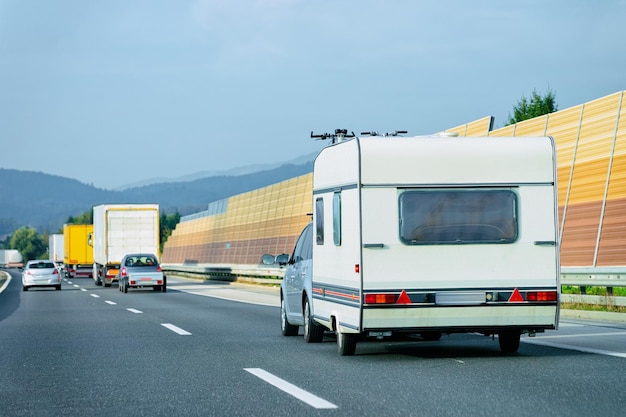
(384, 298)
(545, 296)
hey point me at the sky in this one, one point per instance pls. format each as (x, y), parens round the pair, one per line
(116, 92)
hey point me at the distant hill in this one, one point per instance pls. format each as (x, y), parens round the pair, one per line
(46, 201)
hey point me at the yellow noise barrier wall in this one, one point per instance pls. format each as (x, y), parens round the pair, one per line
(267, 220)
(591, 158)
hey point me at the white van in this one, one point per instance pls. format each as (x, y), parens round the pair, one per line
(433, 235)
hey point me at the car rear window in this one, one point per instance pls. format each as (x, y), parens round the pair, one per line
(140, 261)
(42, 265)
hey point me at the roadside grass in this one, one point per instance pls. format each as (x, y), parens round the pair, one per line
(600, 291)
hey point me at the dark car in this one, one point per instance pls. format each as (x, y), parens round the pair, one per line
(139, 270)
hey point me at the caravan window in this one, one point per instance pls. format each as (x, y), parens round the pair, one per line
(456, 216)
(337, 218)
(319, 221)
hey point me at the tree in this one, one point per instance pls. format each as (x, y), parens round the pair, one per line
(30, 243)
(533, 107)
(85, 218)
(167, 222)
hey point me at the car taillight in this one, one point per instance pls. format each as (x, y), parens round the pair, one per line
(56, 271)
(123, 272)
(159, 268)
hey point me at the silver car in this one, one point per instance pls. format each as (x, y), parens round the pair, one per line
(296, 291)
(139, 270)
(41, 273)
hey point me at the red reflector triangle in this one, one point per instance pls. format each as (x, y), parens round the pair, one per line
(516, 297)
(404, 298)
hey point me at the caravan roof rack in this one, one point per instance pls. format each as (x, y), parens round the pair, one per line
(393, 133)
(338, 136)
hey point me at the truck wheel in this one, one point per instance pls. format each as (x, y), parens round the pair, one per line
(346, 343)
(286, 328)
(313, 332)
(509, 341)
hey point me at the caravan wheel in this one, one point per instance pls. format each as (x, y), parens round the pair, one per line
(509, 341)
(346, 343)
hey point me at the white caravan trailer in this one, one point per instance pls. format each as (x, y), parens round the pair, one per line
(433, 235)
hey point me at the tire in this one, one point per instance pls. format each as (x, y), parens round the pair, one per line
(509, 341)
(431, 336)
(346, 343)
(286, 328)
(125, 288)
(164, 286)
(313, 332)
(156, 288)
(24, 288)
(58, 287)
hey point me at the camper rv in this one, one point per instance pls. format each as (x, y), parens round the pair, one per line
(430, 236)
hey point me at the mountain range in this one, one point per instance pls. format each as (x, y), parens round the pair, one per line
(45, 201)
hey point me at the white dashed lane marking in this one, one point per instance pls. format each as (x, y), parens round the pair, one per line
(176, 329)
(132, 310)
(299, 393)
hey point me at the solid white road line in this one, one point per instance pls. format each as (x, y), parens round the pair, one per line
(111, 302)
(576, 348)
(132, 310)
(176, 329)
(302, 395)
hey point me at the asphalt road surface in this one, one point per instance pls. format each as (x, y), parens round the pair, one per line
(195, 351)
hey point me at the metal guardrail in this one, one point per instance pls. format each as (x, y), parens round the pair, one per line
(273, 274)
(608, 277)
(263, 274)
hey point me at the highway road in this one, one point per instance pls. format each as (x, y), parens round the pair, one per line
(215, 349)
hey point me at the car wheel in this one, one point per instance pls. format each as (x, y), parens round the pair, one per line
(431, 336)
(164, 287)
(156, 288)
(58, 287)
(509, 341)
(125, 287)
(346, 343)
(313, 332)
(24, 288)
(286, 328)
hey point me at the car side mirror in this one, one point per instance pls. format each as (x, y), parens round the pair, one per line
(267, 259)
(282, 259)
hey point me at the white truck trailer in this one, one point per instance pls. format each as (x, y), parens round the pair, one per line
(120, 229)
(56, 249)
(435, 235)
(11, 258)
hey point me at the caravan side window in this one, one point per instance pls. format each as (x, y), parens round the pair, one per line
(319, 221)
(337, 218)
(458, 216)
